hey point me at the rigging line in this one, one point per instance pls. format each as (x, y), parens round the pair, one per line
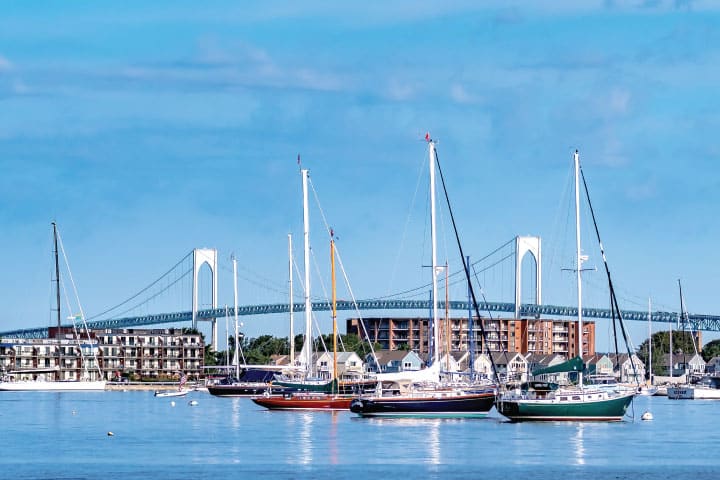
(465, 265)
(424, 287)
(329, 230)
(82, 313)
(357, 309)
(257, 283)
(143, 290)
(564, 200)
(254, 274)
(405, 227)
(613, 298)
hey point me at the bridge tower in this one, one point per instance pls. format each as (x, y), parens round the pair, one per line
(202, 256)
(525, 245)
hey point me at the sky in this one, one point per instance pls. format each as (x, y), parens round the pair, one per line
(149, 129)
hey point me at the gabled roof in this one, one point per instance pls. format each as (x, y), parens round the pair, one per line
(386, 356)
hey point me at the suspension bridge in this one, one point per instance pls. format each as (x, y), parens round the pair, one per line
(199, 258)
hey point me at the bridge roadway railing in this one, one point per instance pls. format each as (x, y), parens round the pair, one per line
(695, 321)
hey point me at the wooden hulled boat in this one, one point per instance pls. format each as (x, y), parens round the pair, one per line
(304, 401)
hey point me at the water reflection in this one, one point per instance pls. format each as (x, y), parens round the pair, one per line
(305, 437)
(578, 443)
(420, 439)
(235, 416)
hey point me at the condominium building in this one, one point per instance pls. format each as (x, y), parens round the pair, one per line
(149, 353)
(503, 334)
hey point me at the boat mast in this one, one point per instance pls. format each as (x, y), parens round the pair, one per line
(448, 330)
(650, 339)
(57, 277)
(292, 316)
(307, 346)
(57, 298)
(578, 253)
(471, 334)
(436, 326)
(235, 310)
(227, 341)
(334, 306)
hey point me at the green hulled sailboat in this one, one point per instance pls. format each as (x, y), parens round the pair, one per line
(547, 401)
(544, 401)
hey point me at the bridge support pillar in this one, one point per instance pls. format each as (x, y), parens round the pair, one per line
(202, 256)
(524, 245)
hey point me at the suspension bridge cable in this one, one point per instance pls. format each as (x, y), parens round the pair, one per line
(153, 296)
(143, 290)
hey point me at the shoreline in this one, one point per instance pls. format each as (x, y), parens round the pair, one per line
(151, 386)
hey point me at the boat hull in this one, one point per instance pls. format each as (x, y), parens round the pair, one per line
(304, 402)
(241, 389)
(693, 393)
(452, 406)
(341, 388)
(45, 386)
(171, 393)
(605, 410)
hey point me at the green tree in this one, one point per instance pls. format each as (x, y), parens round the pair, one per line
(711, 350)
(682, 343)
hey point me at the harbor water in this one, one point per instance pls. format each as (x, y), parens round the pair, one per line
(135, 435)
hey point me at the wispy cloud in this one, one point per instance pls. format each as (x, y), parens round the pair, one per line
(5, 65)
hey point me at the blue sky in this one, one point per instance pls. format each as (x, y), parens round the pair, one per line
(148, 129)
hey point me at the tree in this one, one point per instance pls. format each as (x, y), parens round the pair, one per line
(682, 343)
(711, 350)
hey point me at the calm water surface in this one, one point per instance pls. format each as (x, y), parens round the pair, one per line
(65, 436)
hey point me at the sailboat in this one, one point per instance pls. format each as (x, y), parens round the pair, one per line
(247, 380)
(301, 378)
(41, 382)
(545, 401)
(315, 400)
(703, 388)
(421, 393)
(649, 389)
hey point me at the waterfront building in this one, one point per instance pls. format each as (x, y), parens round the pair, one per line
(393, 361)
(148, 353)
(526, 335)
(713, 366)
(683, 363)
(50, 359)
(627, 370)
(151, 353)
(349, 364)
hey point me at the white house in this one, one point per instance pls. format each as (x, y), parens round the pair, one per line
(348, 364)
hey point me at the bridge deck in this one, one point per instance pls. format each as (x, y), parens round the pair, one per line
(695, 321)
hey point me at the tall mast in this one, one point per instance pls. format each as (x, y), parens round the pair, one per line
(57, 277)
(578, 253)
(57, 299)
(448, 330)
(307, 346)
(334, 305)
(471, 334)
(235, 310)
(292, 316)
(436, 326)
(650, 339)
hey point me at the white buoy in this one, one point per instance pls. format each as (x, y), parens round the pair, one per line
(172, 404)
(192, 403)
(647, 416)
